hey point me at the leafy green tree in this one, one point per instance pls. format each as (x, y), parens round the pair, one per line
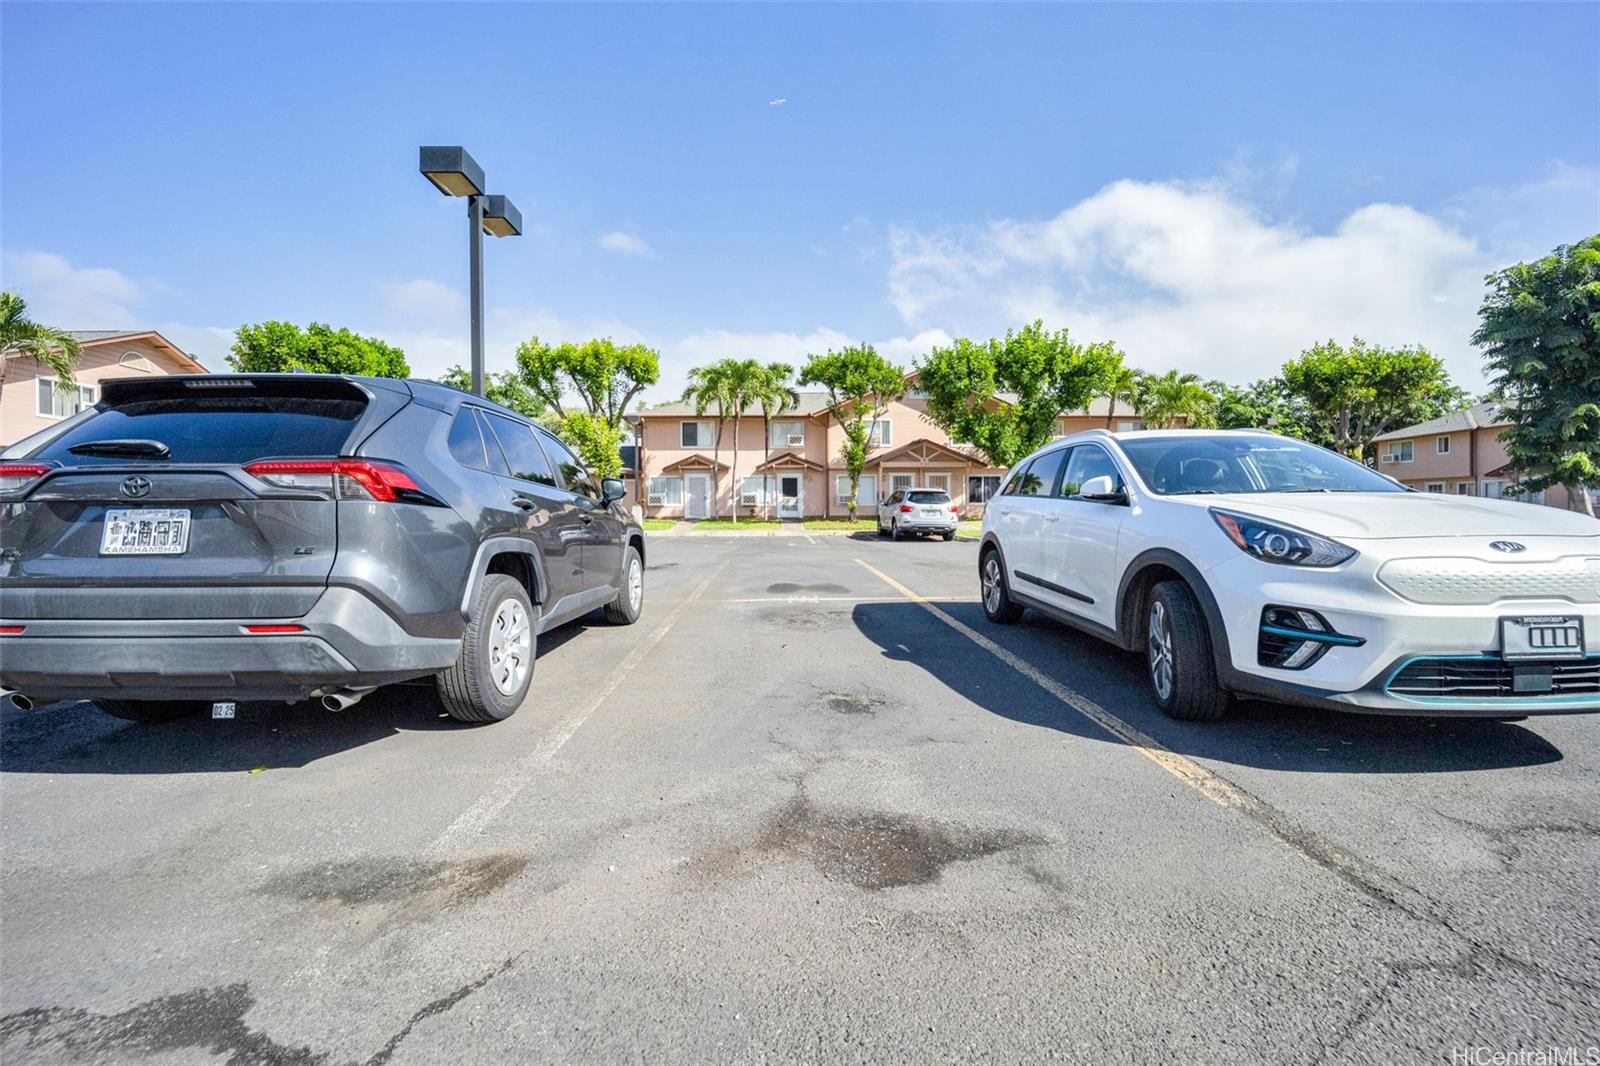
(1265, 404)
(603, 376)
(861, 384)
(280, 347)
(505, 388)
(55, 348)
(1123, 386)
(1540, 332)
(775, 394)
(734, 385)
(1164, 398)
(1352, 394)
(1004, 395)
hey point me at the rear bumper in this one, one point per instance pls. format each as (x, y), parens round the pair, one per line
(348, 641)
(912, 523)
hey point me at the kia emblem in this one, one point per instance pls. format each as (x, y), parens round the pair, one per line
(1507, 546)
(136, 486)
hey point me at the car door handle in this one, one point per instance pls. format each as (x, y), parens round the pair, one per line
(588, 519)
(522, 503)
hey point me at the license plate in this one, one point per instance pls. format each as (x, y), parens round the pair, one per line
(1542, 637)
(145, 531)
(931, 512)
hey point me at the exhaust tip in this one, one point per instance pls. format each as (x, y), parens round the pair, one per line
(21, 702)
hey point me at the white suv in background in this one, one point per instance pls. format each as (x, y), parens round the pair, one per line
(1243, 562)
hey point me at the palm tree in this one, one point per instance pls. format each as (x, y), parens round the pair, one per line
(775, 394)
(1124, 386)
(708, 385)
(56, 349)
(744, 380)
(1164, 398)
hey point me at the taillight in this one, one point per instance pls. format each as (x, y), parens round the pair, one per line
(350, 479)
(952, 508)
(906, 508)
(268, 629)
(11, 631)
(15, 475)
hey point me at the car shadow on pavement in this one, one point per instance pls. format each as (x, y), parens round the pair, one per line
(78, 738)
(1259, 734)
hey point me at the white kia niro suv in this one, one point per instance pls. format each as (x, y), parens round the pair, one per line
(1245, 563)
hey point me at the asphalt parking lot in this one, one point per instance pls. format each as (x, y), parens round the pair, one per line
(812, 807)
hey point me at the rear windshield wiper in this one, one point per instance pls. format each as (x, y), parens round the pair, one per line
(145, 449)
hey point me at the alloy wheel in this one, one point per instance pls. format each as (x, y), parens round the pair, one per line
(510, 647)
(635, 584)
(991, 583)
(1160, 643)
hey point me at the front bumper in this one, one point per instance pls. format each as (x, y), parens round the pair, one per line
(347, 641)
(1394, 632)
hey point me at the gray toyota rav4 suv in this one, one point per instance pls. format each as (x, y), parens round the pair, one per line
(196, 539)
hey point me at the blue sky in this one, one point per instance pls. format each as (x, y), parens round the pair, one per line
(1214, 187)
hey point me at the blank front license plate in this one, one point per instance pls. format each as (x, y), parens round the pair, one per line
(1542, 637)
(146, 531)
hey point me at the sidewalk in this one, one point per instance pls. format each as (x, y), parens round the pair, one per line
(785, 529)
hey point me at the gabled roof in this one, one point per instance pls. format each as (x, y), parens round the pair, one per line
(695, 462)
(87, 337)
(788, 458)
(811, 403)
(923, 450)
(1478, 416)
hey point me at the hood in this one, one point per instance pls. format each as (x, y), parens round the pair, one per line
(1398, 515)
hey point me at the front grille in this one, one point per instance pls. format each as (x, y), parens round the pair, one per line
(1475, 581)
(1493, 678)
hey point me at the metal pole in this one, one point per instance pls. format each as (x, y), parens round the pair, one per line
(475, 270)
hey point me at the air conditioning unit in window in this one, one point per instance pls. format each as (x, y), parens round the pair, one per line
(655, 499)
(747, 499)
(796, 440)
(1389, 457)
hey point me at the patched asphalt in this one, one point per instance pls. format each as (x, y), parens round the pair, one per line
(809, 821)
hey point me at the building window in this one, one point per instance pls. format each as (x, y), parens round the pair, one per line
(1127, 426)
(53, 403)
(135, 361)
(1400, 451)
(1434, 486)
(841, 489)
(901, 482)
(787, 434)
(879, 433)
(753, 493)
(1441, 445)
(981, 488)
(916, 392)
(696, 435)
(1466, 488)
(666, 492)
(937, 481)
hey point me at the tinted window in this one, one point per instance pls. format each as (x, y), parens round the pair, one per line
(1201, 463)
(466, 443)
(895, 498)
(1039, 479)
(218, 429)
(497, 458)
(1088, 462)
(573, 474)
(930, 497)
(521, 450)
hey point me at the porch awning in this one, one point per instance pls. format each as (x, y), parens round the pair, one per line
(787, 459)
(695, 462)
(927, 452)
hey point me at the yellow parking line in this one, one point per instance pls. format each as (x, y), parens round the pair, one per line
(1214, 787)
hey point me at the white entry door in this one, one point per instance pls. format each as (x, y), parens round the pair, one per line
(697, 495)
(789, 504)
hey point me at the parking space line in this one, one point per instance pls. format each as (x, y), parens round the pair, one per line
(476, 818)
(1307, 845)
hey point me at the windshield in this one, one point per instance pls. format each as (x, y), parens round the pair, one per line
(929, 497)
(1178, 466)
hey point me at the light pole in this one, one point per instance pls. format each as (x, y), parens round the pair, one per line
(455, 173)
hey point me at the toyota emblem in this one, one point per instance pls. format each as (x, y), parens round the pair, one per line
(136, 486)
(1507, 546)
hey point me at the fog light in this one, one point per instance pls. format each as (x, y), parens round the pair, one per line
(1293, 638)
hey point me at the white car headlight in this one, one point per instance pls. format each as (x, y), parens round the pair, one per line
(1274, 543)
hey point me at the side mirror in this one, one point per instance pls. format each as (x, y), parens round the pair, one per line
(1101, 490)
(612, 489)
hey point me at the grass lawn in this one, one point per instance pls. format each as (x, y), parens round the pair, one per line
(970, 527)
(728, 523)
(840, 523)
(659, 523)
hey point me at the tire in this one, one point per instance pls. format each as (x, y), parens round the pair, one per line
(1183, 674)
(629, 604)
(948, 537)
(996, 594)
(153, 711)
(881, 531)
(894, 531)
(468, 689)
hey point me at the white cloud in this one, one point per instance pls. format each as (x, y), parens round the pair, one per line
(431, 352)
(624, 243)
(423, 298)
(1187, 276)
(71, 297)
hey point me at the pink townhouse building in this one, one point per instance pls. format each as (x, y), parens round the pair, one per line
(1459, 453)
(794, 468)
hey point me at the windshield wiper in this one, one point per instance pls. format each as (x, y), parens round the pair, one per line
(1193, 492)
(145, 449)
